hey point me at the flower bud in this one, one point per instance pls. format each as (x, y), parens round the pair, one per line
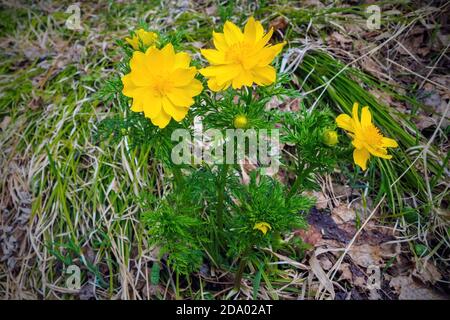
(263, 227)
(240, 122)
(330, 137)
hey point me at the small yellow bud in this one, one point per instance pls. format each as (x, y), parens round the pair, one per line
(240, 122)
(263, 227)
(330, 137)
(147, 38)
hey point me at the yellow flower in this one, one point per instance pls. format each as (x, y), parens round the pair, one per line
(263, 227)
(367, 139)
(148, 38)
(330, 137)
(241, 59)
(240, 122)
(162, 84)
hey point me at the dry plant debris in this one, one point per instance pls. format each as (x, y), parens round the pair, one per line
(66, 200)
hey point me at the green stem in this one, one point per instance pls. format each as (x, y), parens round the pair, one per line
(240, 271)
(294, 187)
(178, 177)
(177, 286)
(249, 97)
(302, 173)
(298, 181)
(221, 196)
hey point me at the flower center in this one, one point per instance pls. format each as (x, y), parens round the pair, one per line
(238, 53)
(372, 135)
(162, 86)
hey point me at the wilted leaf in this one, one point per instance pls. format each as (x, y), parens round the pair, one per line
(343, 214)
(408, 289)
(367, 255)
(5, 122)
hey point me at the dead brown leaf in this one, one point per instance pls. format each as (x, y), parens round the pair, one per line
(339, 40)
(311, 236)
(366, 255)
(279, 24)
(312, 3)
(211, 10)
(325, 262)
(382, 96)
(408, 289)
(321, 199)
(342, 214)
(428, 273)
(341, 190)
(5, 122)
(346, 273)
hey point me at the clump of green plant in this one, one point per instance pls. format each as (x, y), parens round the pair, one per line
(204, 131)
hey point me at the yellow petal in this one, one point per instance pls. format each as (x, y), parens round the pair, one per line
(138, 60)
(215, 71)
(181, 113)
(264, 40)
(253, 30)
(264, 75)
(267, 54)
(366, 117)
(219, 41)
(146, 37)
(181, 77)
(179, 98)
(387, 142)
(138, 93)
(153, 61)
(161, 120)
(182, 60)
(262, 226)
(222, 73)
(140, 32)
(357, 143)
(177, 113)
(137, 105)
(232, 33)
(214, 86)
(360, 156)
(377, 152)
(140, 78)
(139, 71)
(355, 114)
(168, 57)
(244, 78)
(134, 42)
(128, 86)
(213, 56)
(151, 105)
(345, 122)
(192, 89)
